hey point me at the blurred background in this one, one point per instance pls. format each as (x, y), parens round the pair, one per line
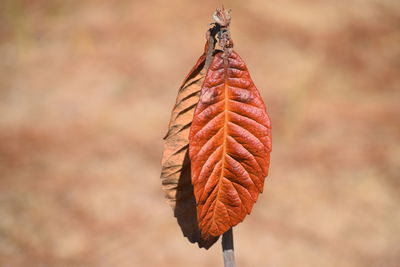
(86, 91)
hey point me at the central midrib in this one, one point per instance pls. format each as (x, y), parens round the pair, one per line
(224, 135)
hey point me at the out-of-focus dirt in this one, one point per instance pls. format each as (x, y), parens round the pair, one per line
(86, 89)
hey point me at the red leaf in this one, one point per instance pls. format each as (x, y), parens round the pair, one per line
(229, 145)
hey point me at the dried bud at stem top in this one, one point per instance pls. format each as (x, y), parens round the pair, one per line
(222, 17)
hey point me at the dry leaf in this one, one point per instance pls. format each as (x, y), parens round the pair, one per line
(230, 143)
(176, 169)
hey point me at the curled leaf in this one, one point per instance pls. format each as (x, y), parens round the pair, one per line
(176, 168)
(230, 143)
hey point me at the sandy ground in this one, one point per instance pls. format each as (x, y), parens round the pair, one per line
(86, 89)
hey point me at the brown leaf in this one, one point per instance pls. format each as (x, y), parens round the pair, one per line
(176, 169)
(230, 143)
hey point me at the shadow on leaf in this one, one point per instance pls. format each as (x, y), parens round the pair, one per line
(185, 209)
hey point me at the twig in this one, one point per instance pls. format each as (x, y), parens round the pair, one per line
(227, 249)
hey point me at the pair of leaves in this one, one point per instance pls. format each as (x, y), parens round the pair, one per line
(216, 153)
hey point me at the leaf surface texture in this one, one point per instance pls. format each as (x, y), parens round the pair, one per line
(230, 143)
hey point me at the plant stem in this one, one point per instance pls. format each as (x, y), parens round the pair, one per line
(227, 249)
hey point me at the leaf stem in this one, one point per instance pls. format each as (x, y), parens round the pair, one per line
(227, 249)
